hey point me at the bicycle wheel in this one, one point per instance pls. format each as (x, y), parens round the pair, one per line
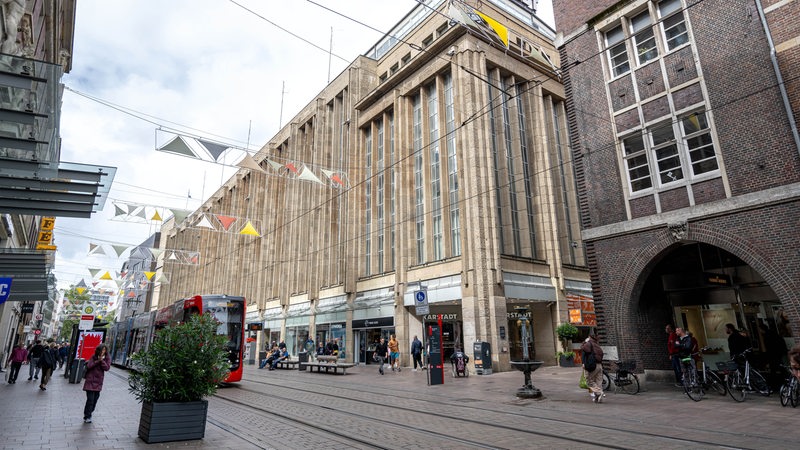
(606, 381)
(786, 393)
(759, 383)
(794, 393)
(736, 387)
(628, 384)
(690, 385)
(716, 383)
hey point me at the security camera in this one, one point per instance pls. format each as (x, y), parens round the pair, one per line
(452, 51)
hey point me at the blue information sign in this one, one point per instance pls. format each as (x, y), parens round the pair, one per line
(5, 289)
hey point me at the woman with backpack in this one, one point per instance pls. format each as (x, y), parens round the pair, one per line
(96, 368)
(593, 364)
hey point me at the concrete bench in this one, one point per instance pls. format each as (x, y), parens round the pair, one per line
(327, 358)
(329, 366)
(287, 364)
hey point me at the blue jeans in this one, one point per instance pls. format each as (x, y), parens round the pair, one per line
(34, 363)
(677, 368)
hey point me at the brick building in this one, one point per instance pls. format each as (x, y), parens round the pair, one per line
(453, 176)
(683, 130)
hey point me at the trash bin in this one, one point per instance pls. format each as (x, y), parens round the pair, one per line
(302, 357)
(483, 358)
(77, 370)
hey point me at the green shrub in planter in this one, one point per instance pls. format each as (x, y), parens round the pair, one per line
(565, 332)
(184, 363)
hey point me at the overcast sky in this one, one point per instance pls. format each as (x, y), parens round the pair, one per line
(208, 67)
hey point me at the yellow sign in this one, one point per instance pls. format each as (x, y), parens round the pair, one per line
(45, 237)
(48, 223)
(575, 316)
(45, 247)
(88, 309)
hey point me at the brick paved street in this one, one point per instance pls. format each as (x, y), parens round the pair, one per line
(287, 409)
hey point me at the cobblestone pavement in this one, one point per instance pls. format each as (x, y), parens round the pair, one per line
(291, 409)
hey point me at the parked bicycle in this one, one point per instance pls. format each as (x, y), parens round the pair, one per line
(691, 380)
(790, 390)
(623, 378)
(710, 380)
(742, 379)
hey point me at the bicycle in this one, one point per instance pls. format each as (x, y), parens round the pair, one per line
(743, 380)
(625, 379)
(710, 380)
(691, 381)
(790, 390)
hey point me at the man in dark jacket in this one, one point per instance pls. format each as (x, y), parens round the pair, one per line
(34, 354)
(416, 352)
(737, 343)
(48, 363)
(381, 353)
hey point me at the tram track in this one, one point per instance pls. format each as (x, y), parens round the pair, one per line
(622, 426)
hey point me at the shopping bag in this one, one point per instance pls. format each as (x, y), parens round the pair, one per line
(582, 383)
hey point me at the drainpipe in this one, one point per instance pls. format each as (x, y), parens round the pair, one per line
(774, 57)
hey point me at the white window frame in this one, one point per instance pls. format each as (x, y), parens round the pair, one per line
(664, 26)
(615, 45)
(641, 35)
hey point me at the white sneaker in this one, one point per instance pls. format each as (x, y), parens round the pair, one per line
(414, 370)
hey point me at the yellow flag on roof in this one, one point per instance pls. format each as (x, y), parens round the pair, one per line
(249, 230)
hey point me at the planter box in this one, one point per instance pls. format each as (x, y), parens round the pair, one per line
(566, 361)
(173, 421)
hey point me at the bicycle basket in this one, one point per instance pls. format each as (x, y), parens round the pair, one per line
(627, 366)
(727, 366)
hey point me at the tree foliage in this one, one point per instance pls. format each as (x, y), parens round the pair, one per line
(185, 362)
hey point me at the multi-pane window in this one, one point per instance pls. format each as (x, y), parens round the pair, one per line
(391, 188)
(379, 179)
(644, 40)
(636, 163)
(368, 200)
(674, 25)
(452, 166)
(673, 150)
(617, 52)
(419, 188)
(435, 176)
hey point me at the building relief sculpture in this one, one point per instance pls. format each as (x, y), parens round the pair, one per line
(679, 230)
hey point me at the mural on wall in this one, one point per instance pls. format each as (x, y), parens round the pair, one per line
(715, 320)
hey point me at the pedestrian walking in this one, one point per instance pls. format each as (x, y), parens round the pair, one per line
(416, 352)
(394, 353)
(737, 342)
(674, 358)
(18, 357)
(593, 364)
(63, 352)
(381, 353)
(34, 353)
(48, 363)
(96, 369)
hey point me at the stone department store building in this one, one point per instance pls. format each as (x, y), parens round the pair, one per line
(458, 179)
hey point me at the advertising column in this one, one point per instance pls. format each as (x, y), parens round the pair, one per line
(435, 356)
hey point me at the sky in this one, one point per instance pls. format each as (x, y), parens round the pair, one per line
(213, 68)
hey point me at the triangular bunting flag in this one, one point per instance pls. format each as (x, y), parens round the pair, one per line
(501, 30)
(180, 215)
(163, 279)
(212, 148)
(149, 275)
(141, 213)
(195, 259)
(131, 294)
(178, 146)
(81, 283)
(292, 168)
(119, 283)
(249, 230)
(156, 252)
(249, 163)
(172, 256)
(119, 211)
(308, 175)
(106, 276)
(204, 223)
(226, 221)
(274, 165)
(94, 272)
(80, 290)
(156, 216)
(94, 283)
(336, 180)
(119, 249)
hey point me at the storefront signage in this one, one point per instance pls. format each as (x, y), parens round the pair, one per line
(575, 316)
(517, 315)
(255, 326)
(581, 310)
(27, 308)
(716, 279)
(380, 322)
(430, 317)
(336, 326)
(435, 356)
(5, 289)
(86, 323)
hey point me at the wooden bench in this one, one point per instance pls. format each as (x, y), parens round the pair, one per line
(329, 366)
(287, 364)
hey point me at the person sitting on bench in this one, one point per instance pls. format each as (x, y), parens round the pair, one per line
(280, 358)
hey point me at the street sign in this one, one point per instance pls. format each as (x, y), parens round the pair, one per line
(38, 317)
(5, 289)
(86, 323)
(37, 332)
(421, 302)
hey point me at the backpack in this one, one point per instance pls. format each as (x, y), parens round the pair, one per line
(589, 360)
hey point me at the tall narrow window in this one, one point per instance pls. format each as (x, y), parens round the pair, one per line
(665, 150)
(368, 200)
(392, 187)
(496, 157)
(379, 179)
(699, 143)
(674, 26)
(435, 176)
(511, 179)
(644, 40)
(526, 169)
(617, 51)
(636, 163)
(419, 188)
(452, 165)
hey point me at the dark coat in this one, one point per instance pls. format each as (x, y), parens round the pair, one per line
(95, 373)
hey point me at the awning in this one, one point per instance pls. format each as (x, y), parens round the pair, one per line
(30, 271)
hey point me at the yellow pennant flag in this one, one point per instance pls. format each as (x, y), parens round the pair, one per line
(150, 275)
(106, 276)
(156, 216)
(80, 290)
(249, 230)
(501, 30)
